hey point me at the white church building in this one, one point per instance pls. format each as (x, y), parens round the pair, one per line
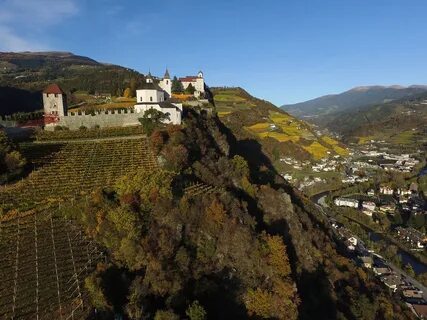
(155, 95)
(198, 82)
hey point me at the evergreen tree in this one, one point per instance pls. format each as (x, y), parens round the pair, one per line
(190, 89)
(177, 86)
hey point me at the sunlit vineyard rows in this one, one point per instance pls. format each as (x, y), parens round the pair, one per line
(44, 260)
(69, 170)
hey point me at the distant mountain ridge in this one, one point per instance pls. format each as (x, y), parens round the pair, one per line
(400, 121)
(320, 108)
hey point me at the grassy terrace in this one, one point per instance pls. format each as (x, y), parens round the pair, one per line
(70, 170)
(283, 127)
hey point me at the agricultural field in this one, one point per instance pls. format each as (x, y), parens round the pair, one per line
(92, 133)
(64, 171)
(44, 260)
(317, 150)
(283, 127)
(230, 100)
(199, 188)
(89, 102)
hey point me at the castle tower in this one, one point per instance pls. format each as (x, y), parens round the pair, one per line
(166, 84)
(54, 101)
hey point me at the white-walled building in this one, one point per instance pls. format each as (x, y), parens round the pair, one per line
(198, 82)
(54, 101)
(153, 96)
(368, 205)
(343, 202)
(166, 84)
(386, 190)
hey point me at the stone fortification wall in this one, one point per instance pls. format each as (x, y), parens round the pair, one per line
(102, 119)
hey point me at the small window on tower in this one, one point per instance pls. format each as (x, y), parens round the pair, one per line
(151, 98)
(167, 81)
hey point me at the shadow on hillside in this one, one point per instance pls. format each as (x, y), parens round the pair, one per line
(314, 288)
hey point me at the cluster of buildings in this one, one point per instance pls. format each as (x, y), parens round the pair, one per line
(396, 282)
(155, 93)
(367, 207)
(402, 163)
(414, 238)
(328, 164)
(389, 162)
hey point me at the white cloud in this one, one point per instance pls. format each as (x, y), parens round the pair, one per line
(9, 41)
(21, 21)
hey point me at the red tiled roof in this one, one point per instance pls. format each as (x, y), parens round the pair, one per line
(188, 79)
(53, 88)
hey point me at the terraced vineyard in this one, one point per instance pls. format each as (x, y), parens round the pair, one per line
(69, 170)
(43, 262)
(198, 188)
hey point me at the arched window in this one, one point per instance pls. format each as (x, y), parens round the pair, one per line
(167, 81)
(151, 98)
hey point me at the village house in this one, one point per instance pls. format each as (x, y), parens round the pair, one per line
(366, 262)
(386, 190)
(379, 271)
(392, 281)
(345, 202)
(371, 193)
(368, 205)
(388, 208)
(403, 192)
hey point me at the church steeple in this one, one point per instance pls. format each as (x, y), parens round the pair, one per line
(167, 75)
(149, 78)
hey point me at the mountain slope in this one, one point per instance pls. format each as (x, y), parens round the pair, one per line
(399, 122)
(279, 133)
(33, 71)
(320, 108)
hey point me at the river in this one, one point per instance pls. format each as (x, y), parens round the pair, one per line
(418, 266)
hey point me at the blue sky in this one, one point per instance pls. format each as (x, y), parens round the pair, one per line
(285, 51)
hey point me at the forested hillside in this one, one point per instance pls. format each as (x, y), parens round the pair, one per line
(399, 122)
(215, 233)
(24, 75)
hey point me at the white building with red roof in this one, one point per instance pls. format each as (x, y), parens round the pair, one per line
(54, 101)
(198, 82)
